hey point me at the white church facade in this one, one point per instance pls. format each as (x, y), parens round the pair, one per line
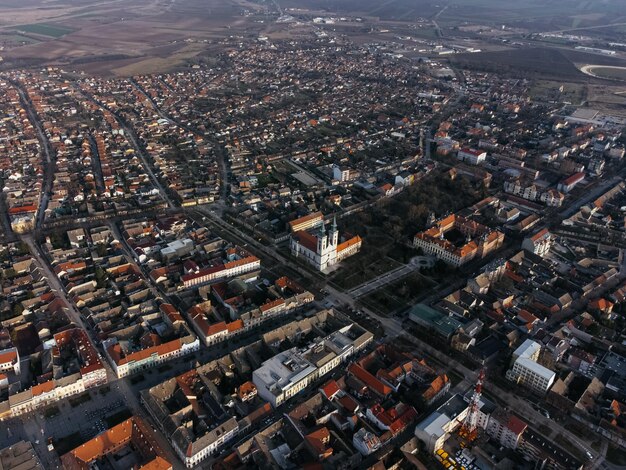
(324, 249)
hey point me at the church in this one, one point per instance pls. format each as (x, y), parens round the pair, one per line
(324, 249)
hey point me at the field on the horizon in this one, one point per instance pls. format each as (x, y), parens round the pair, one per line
(124, 37)
(118, 37)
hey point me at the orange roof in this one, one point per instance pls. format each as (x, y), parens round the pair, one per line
(348, 243)
(22, 209)
(42, 388)
(216, 328)
(7, 357)
(369, 380)
(112, 440)
(330, 389)
(246, 389)
(601, 304)
(235, 325)
(115, 352)
(307, 240)
(306, 218)
(539, 235)
(241, 262)
(271, 304)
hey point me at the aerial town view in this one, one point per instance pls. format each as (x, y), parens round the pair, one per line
(312, 234)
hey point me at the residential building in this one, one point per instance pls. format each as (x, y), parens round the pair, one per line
(366, 442)
(569, 183)
(237, 267)
(306, 222)
(20, 456)
(132, 436)
(539, 244)
(506, 428)
(471, 156)
(526, 371)
(74, 366)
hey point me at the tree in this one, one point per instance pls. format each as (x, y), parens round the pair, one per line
(18, 308)
(101, 277)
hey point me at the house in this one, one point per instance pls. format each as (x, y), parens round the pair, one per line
(538, 244)
(569, 183)
(471, 156)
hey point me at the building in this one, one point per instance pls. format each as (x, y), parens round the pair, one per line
(568, 184)
(289, 372)
(237, 267)
(307, 222)
(366, 442)
(427, 317)
(457, 240)
(126, 364)
(324, 250)
(20, 456)
(10, 360)
(133, 434)
(526, 371)
(74, 366)
(506, 428)
(341, 173)
(395, 419)
(445, 420)
(539, 244)
(186, 411)
(471, 156)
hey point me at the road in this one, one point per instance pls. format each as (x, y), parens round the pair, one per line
(596, 192)
(394, 328)
(48, 154)
(96, 165)
(220, 153)
(130, 135)
(391, 276)
(123, 385)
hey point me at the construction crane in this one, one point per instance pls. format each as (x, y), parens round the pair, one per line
(469, 428)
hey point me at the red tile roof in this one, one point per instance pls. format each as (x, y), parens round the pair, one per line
(368, 379)
(330, 389)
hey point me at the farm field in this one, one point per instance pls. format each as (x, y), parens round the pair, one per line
(44, 29)
(136, 31)
(540, 63)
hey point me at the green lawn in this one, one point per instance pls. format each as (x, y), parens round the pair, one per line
(361, 268)
(398, 295)
(44, 29)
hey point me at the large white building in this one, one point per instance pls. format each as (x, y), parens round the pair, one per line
(323, 250)
(471, 156)
(526, 371)
(289, 372)
(440, 424)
